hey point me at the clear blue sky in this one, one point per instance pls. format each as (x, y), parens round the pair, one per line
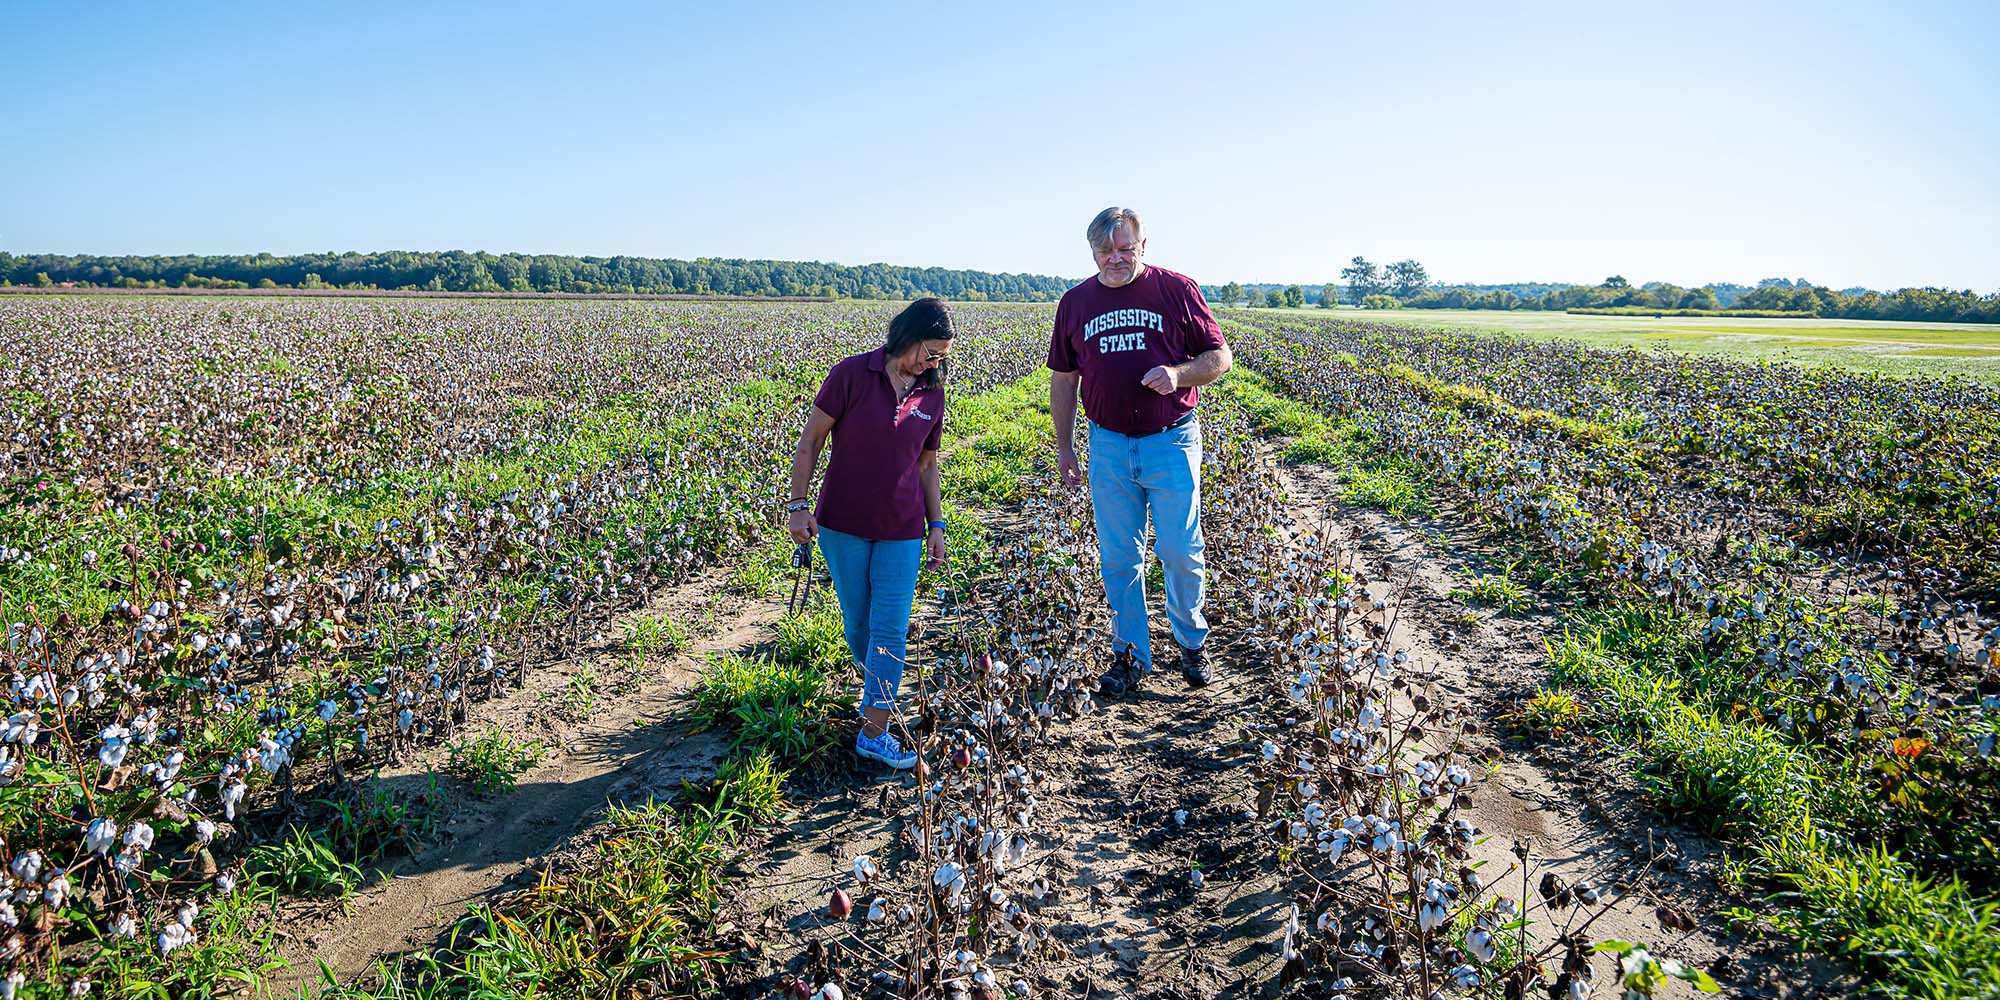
(1852, 144)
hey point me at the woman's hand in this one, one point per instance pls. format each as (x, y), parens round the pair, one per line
(804, 528)
(934, 550)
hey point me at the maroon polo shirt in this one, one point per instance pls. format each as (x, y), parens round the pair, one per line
(1114, 336)
(871, 488)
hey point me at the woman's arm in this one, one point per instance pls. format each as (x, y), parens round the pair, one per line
(804, 458)
(927, 473)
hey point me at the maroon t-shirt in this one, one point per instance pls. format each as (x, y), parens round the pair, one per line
(1114, 336)
(871, 488)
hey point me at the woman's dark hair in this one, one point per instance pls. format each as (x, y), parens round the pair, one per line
(924, 319)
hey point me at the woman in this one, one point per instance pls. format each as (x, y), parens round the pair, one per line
(879, 505)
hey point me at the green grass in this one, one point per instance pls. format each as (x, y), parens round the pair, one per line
(636, 917)
(815, 637)
(780, 706)
(1369, 477)
(1499, 591)
(576, 700)
(491, 762)
(304, 864)
(1917, 936)
(767, 568)
(1896, 348)
(369, 821)
(1550, 712)
(649, 635)
(996, 439)
(748, 791)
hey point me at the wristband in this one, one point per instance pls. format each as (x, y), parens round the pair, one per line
(797, 506)
(938, 524)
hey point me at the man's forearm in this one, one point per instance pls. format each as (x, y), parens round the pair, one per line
(1203, 368)
(1062, 408)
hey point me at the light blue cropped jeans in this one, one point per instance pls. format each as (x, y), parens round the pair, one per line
(1130, 476)
(876, 583)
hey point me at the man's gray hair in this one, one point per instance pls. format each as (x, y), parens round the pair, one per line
(1101, 228)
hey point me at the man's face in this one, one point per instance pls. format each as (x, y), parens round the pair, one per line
(1118, 257)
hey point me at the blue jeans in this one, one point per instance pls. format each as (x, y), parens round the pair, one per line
(876, 583)
(1128, 477)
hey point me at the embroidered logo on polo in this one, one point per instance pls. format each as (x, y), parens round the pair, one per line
(910, 407)
(1115, 343)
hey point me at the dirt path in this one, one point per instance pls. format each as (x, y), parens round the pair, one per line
(638, 743)
(1150, 788)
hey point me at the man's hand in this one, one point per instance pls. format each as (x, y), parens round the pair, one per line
(934, 549)
(804, 528)
(1066, 465)
(1163, 380)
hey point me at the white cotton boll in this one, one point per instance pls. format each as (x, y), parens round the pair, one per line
(1180, 817)
(865, 869)
(232, 796)
(1270, 750)
(829, 992)
(950, 878)
(174, 936)
(878, 910)
(99, 837)
(27, 866)
(1430, 915)
(1479, 941)
(1195, 877)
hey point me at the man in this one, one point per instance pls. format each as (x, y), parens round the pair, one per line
(1139, 341)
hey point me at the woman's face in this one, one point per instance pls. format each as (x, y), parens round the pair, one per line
(925, 356)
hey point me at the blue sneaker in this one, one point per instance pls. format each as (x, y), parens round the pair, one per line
(884, 749)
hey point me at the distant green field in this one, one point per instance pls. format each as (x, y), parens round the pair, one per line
(1967, 349)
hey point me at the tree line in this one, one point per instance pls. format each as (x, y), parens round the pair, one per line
(463, 271)
(1406, 284)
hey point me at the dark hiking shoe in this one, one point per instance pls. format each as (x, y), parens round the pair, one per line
(1123, 677)
(1194, 667)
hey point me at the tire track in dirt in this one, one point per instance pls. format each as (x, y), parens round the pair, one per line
(1586, 817)
(640, 742)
